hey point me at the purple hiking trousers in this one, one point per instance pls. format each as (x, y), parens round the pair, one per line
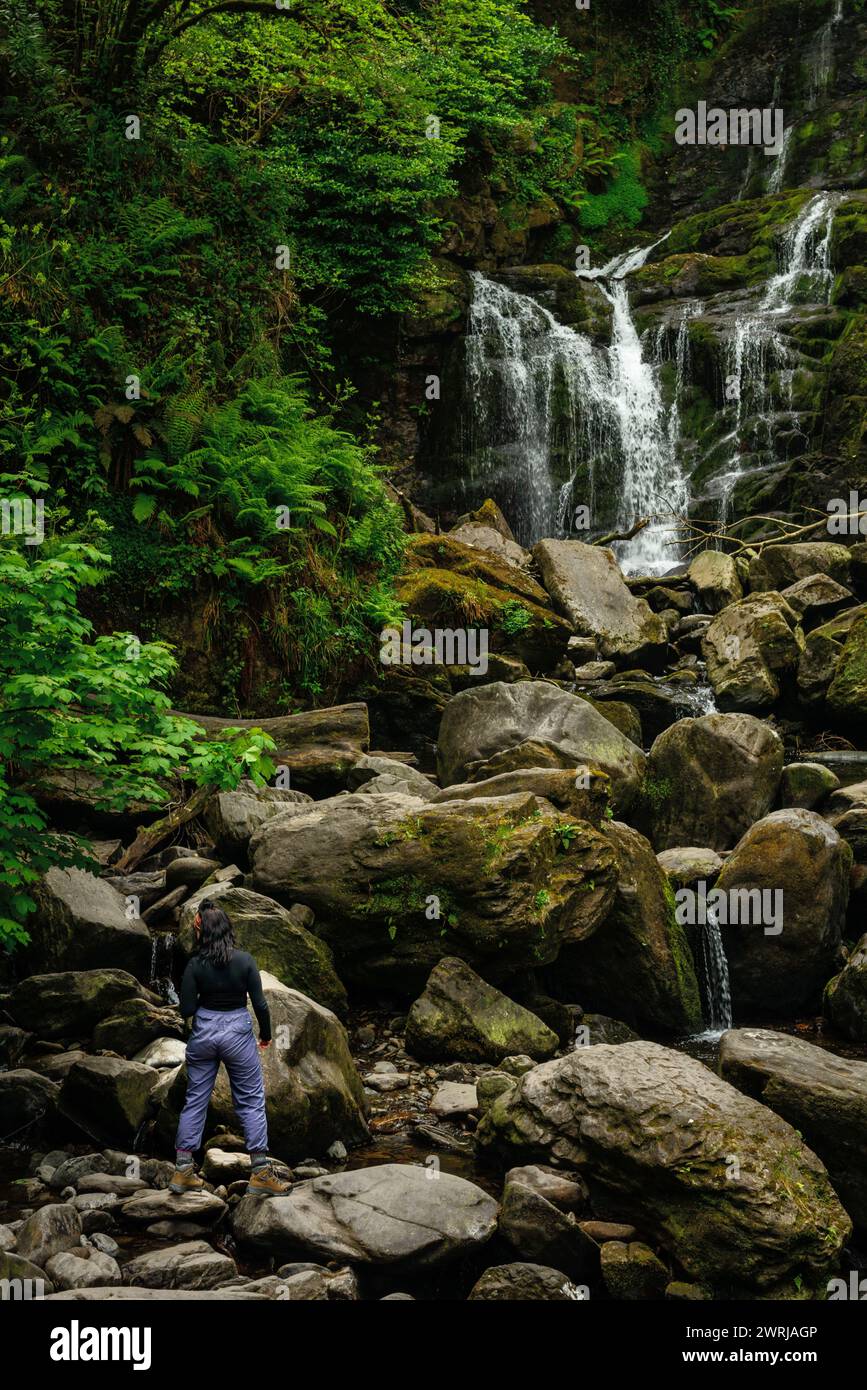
(228, 1038)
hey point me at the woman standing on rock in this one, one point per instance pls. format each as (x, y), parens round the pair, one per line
(215, 987)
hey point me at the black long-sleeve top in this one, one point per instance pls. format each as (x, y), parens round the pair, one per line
(225, 987)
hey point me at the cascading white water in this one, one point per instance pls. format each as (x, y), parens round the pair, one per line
(758, 347)
(554, 419)
(536, 388)
(778, 171)
(715, 973)
(652, 484)
(820, 56)
(540, 391)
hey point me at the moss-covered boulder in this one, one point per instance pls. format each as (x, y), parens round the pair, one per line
(135, 1023)
(108, 1098)
(806, 784)
(778, 566)
(750, 647)
(847, 693)
(822, 1096)
(714, 576)
(397, 883)
(709, 779)
(71, 1003)
(460, 1017)
(658, 1131)
(278, 938)
(450, 585)
(788, 878)
(637, 966)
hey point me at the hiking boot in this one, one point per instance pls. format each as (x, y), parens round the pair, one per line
(186, 1180)
(266, 1182)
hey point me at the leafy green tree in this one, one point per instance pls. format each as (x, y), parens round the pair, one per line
(73, 701)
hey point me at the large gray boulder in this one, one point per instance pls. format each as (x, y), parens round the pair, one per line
(709, 779)
(657, 1130)
(749, 647)
(462, 1018)
(390, 1215)
(397, 883)
(822, 1096)
(71, 1003)
(714, 576)
(232, 817)
(277, 937)
(637, 965)
(787, 881)
(192, 1265)
(82, 923)
(777, 566)
(845, 999)
(108, 1098)
(313, 1092)
(587, 587)
(525, 1283)
(478, 725)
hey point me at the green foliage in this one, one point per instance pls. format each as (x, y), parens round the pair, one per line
(622, 204)
(514, 618)
(72, 700)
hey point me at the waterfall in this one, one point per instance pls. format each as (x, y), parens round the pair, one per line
(820, 56)
(715, 972)
(537, 390)
(778, 172)
(556, 420)
(651, 481)
(758, 346)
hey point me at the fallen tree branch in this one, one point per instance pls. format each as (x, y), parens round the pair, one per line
(623, 535)
(151, 837)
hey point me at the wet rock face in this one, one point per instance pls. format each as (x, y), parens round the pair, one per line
(788, 878)
(659, 1129)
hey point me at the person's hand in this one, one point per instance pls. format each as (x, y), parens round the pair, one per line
(263, 1045)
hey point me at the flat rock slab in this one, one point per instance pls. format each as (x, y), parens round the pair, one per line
(394, 1214)
(454, 1098)
(145, 1207)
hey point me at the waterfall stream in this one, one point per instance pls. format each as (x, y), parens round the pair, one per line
(560, 425)
(715, 977)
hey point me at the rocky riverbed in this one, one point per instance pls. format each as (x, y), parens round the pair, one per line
(515, 1055)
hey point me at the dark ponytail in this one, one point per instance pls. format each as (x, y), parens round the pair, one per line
(216, 940)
